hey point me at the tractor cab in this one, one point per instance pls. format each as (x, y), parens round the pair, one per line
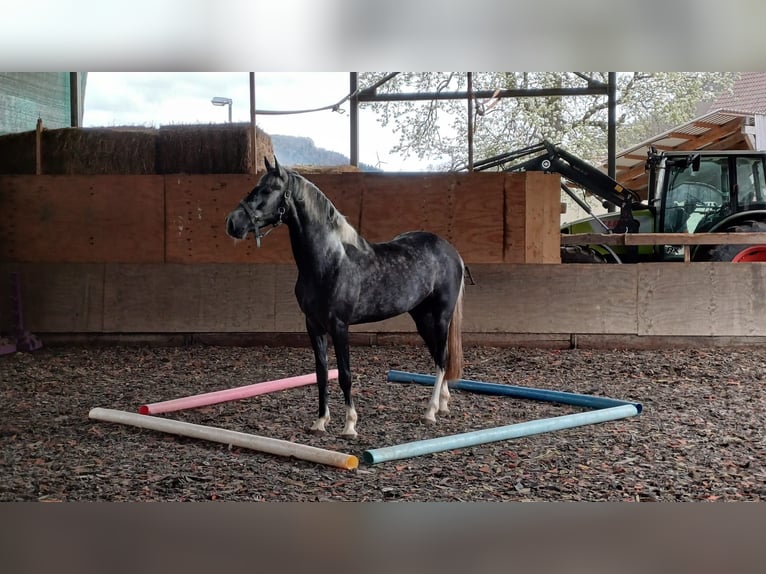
(705, 192)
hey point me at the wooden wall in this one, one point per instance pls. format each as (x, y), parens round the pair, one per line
(82, 218)
(149, 254)
(647, 299)
(489, 217)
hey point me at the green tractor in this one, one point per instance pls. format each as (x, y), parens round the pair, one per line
(689, 192)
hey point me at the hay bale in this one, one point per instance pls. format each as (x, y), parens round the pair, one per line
(17, 153)
(98, 151)
(129, 150)
(213, 148)
(80, 151)
(265, 149)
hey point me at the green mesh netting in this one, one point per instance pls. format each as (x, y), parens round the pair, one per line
(26, 96)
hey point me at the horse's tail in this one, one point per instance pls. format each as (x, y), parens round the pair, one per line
(455, 339)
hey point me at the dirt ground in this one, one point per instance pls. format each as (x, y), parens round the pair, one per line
(700, 436)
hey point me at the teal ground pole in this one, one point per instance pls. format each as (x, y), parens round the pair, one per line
(605, 409)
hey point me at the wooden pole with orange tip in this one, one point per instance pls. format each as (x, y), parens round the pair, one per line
(224, 436)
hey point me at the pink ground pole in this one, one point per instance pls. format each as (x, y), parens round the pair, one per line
(231, 394)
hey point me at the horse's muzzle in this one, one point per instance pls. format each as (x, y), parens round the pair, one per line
(235, 228)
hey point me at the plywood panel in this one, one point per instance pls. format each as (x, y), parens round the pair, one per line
(532, 206)
(478, 215)
(515, 240)
(83, 219)
(197, 207)
(57, 298)
(393, 204)
(702, 299)
(465, 209)
(189, 298)
(543, 195)
(551, 299)
(652, 299)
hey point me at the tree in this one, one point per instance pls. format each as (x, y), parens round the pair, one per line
(648, 103)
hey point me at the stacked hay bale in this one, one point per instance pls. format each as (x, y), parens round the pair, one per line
(214, 148)
(17, 153)
(128, 150)
(81, 151)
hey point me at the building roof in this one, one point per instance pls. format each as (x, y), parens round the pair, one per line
(747, 95)
(727, 126)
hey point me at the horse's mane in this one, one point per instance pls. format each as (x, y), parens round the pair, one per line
(319, 208)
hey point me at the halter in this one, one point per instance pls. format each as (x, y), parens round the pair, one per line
(281, 210)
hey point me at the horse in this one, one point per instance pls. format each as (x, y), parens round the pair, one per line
(343, 280)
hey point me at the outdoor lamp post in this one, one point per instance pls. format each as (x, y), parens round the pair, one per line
(218, 101)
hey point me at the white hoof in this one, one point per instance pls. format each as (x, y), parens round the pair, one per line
(319, 424)
(349, 431)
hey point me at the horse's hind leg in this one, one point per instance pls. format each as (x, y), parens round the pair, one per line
(434, 331)
(342, 355)
(319, 344)
(439, 399)
(440, 395)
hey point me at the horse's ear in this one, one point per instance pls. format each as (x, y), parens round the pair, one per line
(267, 164)
(276, 165)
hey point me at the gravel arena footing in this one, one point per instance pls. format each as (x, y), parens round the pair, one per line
(700, 435)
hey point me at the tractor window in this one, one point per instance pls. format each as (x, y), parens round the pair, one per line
(750, 182)
(693, 195)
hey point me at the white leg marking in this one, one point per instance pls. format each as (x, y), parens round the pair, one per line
(350, 429)
(433, 404)
(444, 398)
(319, 424)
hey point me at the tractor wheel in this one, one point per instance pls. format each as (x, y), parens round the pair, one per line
(579, 254)
(742, 253)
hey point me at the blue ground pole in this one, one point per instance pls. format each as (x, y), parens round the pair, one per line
(606, 409)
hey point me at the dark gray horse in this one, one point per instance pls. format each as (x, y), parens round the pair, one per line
(345, 280)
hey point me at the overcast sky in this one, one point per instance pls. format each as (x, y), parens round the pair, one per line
(160, 98)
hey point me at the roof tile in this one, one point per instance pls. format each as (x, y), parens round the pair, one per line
(747, 95)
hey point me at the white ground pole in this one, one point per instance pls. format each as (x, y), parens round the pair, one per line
(224, 436)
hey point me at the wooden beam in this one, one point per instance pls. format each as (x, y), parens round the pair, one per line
(682, 135)
(664, 147)
(712, 135)
(531, 218)
(663, 238)
(39, 147)
(691, 145)
(733, 141)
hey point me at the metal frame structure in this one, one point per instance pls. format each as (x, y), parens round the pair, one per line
(370, 94)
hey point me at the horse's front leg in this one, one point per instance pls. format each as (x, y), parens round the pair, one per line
(319, 344)
(340, 343)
